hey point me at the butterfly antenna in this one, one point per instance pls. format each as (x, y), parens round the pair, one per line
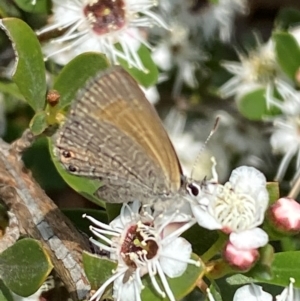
(204, 145)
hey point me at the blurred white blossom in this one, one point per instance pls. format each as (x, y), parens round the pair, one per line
(206, 20)
(258, 69)
(285, 140)
(177, 51)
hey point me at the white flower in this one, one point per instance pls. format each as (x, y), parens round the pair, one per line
(207, 19)
(151, 94)
(289, 293)
(177, 51)
(237, 208)
(142, 245)
(257, 70)
(90, 25)
(285, 140)
(250, 292)
(253, 292)
(217, 18)
(290, 102)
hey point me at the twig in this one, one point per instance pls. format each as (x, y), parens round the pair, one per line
(41, 219)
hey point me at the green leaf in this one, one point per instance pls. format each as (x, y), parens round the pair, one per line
(38, 123)
(113, 210)
(24, 266)
(273, 190)
(12, 89)
(83, 185)
(262, 269)
(75, 74)
(284, 266)
(8, 9)
(215, 291)
(288, 53)
(41, 6)
(75, 215)
(148, 78)
(97, 269)
(180, 286)
(200, 238)
(29, 72)
(5, 294)
(287, 17)
(253, 105)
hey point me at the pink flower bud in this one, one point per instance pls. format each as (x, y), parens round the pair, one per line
(285, 215)
(242, 259)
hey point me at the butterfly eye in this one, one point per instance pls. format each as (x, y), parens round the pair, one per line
(72, 168)
(193, 189)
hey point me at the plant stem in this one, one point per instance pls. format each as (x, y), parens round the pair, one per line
(215, 248)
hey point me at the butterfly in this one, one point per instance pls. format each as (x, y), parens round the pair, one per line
(113, 134)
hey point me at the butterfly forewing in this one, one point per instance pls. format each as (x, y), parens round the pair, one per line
(113, 133)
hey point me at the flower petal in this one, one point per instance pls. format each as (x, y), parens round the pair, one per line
(204, 218)
(249, 239)
(174, 257)
(251, 292)
(129, 291)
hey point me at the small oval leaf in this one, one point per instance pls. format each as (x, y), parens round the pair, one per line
(284, 266)
(145, 79)
(97, 269)
(253, 105)
(38, 123)
(287, 52)
(40, 6)
(29, 74)
(11, 89)
(25, 266)
(75, 74)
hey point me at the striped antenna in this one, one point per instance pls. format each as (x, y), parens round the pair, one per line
(204, 145)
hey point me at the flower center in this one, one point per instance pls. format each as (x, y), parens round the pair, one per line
(139, 245)
(235, 211)
(105, 16)
(262, 66)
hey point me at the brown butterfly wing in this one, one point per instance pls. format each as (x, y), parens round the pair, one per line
(113, 133)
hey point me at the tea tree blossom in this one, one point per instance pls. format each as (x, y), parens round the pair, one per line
(236, 208)
(285, 140)
(257, 70)
(177, 51)
(290, 102)
(253, 292)
(142, 244)
(98, 26)
(207, 19)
